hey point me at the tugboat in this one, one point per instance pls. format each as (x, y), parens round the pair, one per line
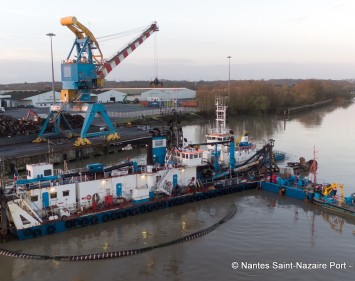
(289, 182)
(244, 150)
(326, 196)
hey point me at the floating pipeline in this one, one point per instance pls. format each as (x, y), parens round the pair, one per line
(123, 253)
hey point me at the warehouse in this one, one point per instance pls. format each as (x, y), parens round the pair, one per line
(110, 96)
(168, 94)
(120, 95)
(143, 94)
(28, 98)
(41, 99)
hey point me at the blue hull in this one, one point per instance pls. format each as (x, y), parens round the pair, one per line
(343, 211)
(118, 213)
(289, 191)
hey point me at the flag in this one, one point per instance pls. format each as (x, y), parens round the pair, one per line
(15, 175)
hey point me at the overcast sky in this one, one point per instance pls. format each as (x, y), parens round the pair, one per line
(267, 39)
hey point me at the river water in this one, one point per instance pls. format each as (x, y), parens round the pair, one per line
(268, 231)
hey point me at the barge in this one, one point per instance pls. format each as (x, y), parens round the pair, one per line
(50, 201)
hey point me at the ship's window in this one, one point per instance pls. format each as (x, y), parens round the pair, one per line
(66, 71)
(65, 193)
(158, 143)
(183, 155)
(28, 173)
(191, 156)
(47, 172)
(196, 155)
(200, 155)
(53, 195)
(178, 154)
(34, 198)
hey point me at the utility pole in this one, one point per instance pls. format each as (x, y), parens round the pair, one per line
(3, 226)
(229, 77)
(51, 35)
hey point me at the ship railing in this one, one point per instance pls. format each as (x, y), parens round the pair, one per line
(163, 184)
(127, 195)
(220, 132)
(245, 148)
(32, 204)
(25, 206)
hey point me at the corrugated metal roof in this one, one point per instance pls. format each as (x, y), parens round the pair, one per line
(20, 95)
(133, 91)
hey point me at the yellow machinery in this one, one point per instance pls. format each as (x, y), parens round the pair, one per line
(327, 190)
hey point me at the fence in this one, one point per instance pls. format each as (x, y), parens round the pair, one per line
(149, 112)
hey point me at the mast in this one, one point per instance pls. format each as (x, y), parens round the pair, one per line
(221, 115)
(314, 168)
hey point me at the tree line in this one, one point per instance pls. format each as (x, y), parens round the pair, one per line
(270, 97)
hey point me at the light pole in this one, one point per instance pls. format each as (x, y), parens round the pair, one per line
(229, 77)
(51, 35)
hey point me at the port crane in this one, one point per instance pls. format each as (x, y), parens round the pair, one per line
(83, 70)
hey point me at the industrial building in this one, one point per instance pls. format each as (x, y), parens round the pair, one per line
(35, 98)
(143, 94)
(25, 98)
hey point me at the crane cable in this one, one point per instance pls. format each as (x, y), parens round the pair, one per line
(121, 34)
(156, 55)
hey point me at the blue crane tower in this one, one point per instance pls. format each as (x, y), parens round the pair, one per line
(84, 70)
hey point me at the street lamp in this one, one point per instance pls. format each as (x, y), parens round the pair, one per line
(229, 77)
(51, 35)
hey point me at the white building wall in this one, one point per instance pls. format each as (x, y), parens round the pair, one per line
(168, 94)
(107, 96)
(44, 99)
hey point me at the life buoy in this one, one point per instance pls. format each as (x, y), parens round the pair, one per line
(88, 197)
(51, 229)
(96, 197)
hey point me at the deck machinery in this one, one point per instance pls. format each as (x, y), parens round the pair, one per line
(83, 70)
